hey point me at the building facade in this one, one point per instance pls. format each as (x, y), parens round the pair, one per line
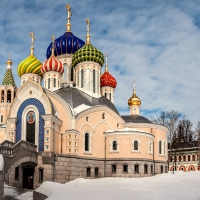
(71, 123)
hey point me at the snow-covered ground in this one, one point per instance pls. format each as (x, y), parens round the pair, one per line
(181, 185)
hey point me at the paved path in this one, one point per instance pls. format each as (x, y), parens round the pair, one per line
(12, 193)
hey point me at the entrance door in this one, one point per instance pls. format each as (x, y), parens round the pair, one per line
(28, 178)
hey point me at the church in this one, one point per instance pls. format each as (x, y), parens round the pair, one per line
(61, 122)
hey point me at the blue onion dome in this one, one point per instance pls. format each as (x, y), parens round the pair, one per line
(88, 52)
(65, 44)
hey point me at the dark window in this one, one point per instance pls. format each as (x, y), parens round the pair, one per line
(170, 158)
(96, 172)
(136, 169)
(188, 157)
(82, 78)
(94, 81)
(125, 168)
(1, 118)
(184, 158)
(151, 169)
(48, 83)
(114, 145)
(110, 96)
(165, 169)
(179, 158)
(193, 157)
(135, 145)
(88, 171)
(146, 169)
(9, 96)
(54, 82)
(87, 142)
(17, 173)
(160, 147)
(41, 175)
(161, 169)
(72, 73)
(105, 94)
(114, 168)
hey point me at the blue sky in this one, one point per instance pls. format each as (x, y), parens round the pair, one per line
(156, 43)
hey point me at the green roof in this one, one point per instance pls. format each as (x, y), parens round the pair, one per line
(8, 78)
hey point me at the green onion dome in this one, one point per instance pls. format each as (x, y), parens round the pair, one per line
(88, 53)
(30, 65)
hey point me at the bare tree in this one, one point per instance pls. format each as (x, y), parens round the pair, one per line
(170, 120)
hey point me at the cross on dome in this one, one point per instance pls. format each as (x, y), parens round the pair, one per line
(69, 14)
(88, 31)
(32, 42)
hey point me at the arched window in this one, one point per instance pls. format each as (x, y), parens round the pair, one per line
(88, 78)
(54, 82)
(164, 147)
(1, 118)
(150, 147)
(135, 145)
(105, 94)
(94, 81)
(65, 72)
(188, 157)
(110, 96)
(30, 127)
(72, 73)
(179, 158)
(184, 158)
(49, 83)
(160, 147)
(87, 142)
(114, 145)
(170, 159)
(82, 78)
(193, 157)
(2, 96)
(8, 96)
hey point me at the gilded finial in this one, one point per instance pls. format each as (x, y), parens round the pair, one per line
(106, 67)
(69, 14)
(88, 31)
(9, 61)
(134, 100)
(32, 42)
(134, 90)
(53, 43)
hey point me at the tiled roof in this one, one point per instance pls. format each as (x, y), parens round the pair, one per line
(8, 78)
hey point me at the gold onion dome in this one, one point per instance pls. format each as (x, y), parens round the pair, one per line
(134, 100)
(31, 64)
(88, 52)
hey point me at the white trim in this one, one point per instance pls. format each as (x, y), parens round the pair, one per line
(111, 146)
(23, 125)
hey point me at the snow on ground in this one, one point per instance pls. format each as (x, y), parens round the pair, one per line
(16, 193)
(181, 185)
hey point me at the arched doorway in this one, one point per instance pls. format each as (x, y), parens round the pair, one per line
(191, 168)
(182, 168)
(172, 168)
(30, 127)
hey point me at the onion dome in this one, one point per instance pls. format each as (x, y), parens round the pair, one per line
(106, 78)
(134, 100)
(88, 52)
(31, 64)
(52, 64)
(8, 78)
(67, 43)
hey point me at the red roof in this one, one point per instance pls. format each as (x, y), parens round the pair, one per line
(108, 80)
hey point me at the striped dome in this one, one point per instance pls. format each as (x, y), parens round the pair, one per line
(52, 64)
(30, 65)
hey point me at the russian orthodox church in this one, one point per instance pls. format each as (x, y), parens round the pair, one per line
(61, 123)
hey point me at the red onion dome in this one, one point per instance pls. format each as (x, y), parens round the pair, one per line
(52, 64)
(108, 80)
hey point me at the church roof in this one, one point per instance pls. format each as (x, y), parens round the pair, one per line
(8, 78)
(135, 119)
(74, 97)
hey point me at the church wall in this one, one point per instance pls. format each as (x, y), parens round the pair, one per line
(2, 134)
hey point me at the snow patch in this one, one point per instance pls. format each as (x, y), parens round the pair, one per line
(80, 108)
(1, 162)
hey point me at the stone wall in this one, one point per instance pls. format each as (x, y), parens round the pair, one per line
(39, 196)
